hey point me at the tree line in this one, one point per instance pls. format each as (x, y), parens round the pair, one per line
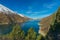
(18, 34)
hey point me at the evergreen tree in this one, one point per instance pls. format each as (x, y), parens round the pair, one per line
(17, 33)
(31, 35)
(40, 37)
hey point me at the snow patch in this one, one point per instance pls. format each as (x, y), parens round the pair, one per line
(5, 9)
(21, 15)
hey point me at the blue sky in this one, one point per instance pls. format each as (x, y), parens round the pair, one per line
(32, 8)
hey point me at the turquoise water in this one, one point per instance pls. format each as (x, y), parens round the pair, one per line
(31, 23)
(4, 29)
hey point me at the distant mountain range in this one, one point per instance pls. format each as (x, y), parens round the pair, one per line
(50, 27)
(7, 16)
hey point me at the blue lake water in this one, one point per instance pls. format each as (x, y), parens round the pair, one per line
(4, 29)
(31, 23)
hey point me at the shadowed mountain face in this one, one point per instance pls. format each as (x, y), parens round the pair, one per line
(45, 24)
(50, 27)
(54, 31)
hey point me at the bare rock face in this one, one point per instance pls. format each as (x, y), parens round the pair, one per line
(7, 16)
(4, 19)
(11, 18)
(54, 31)
(45, 24)
(50, 27)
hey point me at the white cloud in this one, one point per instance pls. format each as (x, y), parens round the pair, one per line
(36, 13)
(43, 11)
(28, 12)
(42, 16)
(50, 5)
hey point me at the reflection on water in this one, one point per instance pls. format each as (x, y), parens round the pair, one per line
(4, 29)
(31, 23)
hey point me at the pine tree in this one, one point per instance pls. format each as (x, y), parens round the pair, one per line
(17, 33)
(31, 35)
(40, 37)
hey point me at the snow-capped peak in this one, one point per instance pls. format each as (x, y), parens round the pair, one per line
(21, 15)
(5, 9)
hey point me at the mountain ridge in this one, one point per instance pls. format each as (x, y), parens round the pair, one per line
(7, 16)
(47, 21)
(50, 26)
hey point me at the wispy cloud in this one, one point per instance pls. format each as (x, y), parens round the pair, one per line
(42, 16)
(50, 5)
(43, 11)
(30, 13)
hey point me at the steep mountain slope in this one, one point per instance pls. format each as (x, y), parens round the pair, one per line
(8, 16)
(50, 27)
(54, 31)
(45, 24)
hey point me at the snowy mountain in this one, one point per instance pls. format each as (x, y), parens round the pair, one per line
(9, 16)
(6, 10)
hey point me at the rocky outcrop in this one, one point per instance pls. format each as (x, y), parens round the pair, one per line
(11, 18)
(50, 27)
(7, 16)
(45, 24)
(54, 31)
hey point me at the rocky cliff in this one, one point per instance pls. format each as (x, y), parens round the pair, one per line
(50, 27)
(11, 18)
(7, 16)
